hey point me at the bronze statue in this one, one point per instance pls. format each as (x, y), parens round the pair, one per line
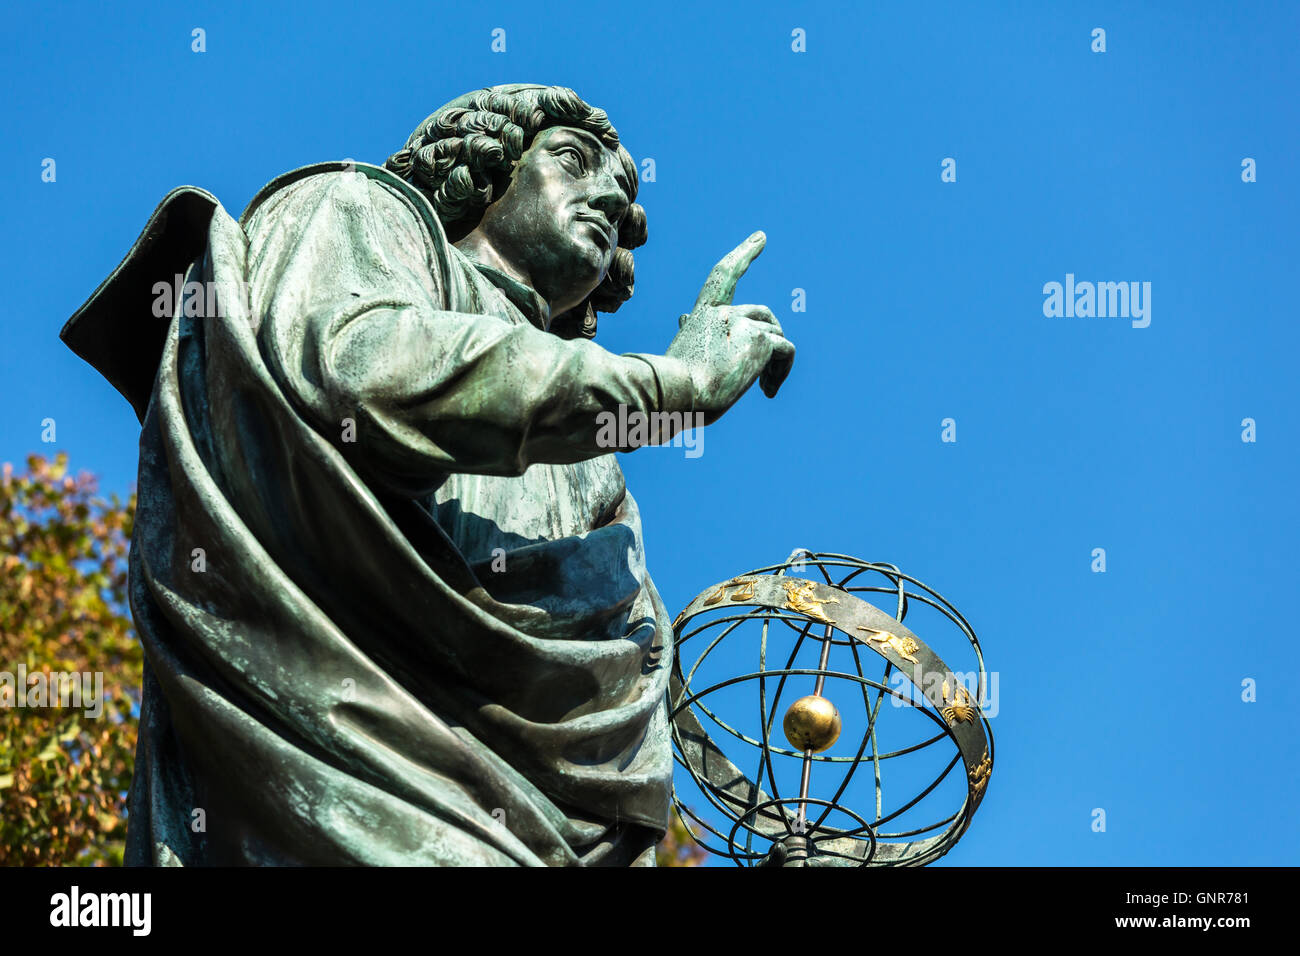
(389, 581)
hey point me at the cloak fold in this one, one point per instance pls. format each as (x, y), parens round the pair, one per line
(431, 643)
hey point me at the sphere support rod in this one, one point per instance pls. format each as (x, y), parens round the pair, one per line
(801, 821)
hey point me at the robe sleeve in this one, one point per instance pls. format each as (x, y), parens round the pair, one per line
(356, 298)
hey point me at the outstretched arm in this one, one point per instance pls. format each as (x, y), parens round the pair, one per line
(355, 304)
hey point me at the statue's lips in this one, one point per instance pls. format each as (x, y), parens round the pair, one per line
(599, 228)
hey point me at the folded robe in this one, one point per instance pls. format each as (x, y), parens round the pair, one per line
(391, 592)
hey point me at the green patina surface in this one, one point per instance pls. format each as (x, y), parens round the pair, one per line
(389, 579)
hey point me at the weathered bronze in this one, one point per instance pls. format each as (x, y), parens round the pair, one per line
(389, 580)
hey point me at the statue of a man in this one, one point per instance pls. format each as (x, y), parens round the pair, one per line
(389, 582)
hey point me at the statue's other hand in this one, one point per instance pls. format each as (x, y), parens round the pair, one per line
(727, 347)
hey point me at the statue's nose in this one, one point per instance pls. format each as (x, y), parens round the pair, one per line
(609, 199)
(609, 205)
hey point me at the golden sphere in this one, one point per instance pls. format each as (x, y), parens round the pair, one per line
(812, 722)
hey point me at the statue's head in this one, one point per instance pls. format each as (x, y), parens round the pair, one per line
(540, 175)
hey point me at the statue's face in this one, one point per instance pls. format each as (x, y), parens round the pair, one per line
(557, 223)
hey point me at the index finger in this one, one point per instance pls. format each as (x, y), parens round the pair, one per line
(720, 286)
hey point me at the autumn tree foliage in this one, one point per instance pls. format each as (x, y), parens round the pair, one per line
(63, 575)
(64, 776)
(679, 847)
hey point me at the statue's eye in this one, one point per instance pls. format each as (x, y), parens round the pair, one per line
(576, 159)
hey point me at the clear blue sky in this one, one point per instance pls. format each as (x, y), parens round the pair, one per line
(1119, 690)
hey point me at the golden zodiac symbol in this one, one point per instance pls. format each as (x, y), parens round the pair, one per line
(799, 597)
(960, 710)
(744, 593)
(721, 592)
(904, 646)
(979, 777)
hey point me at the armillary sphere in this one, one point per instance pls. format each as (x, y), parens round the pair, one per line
(795, 617)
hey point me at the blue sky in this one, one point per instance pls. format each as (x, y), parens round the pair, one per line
(1119, 690)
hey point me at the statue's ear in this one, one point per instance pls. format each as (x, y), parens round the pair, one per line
(578, 323)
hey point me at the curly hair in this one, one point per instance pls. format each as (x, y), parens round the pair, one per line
(462, 156)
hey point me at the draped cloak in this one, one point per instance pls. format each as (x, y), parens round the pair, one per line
(392, 594)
